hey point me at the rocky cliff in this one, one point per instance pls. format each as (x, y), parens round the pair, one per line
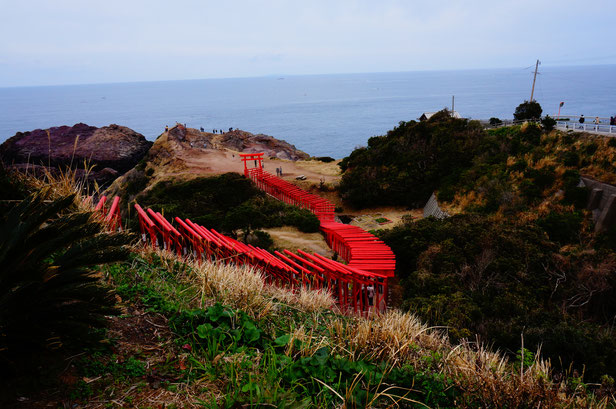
(112, 150)
(182, 138)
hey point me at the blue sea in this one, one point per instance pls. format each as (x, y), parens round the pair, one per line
(323, 115)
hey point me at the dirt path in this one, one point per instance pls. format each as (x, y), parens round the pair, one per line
(214, 161)
(291, 239)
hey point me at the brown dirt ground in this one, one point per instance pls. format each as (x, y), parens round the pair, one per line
(291, 239)
(215, 161)
(366, 218)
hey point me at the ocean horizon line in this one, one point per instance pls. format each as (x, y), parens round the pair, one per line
(283, 75)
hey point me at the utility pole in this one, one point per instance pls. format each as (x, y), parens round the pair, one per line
(532, 92)
(452, 105)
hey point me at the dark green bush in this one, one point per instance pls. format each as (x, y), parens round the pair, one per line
(262, 240)
(577, 196)
(530, 190)
(325, 159)
(405, 166)
(519, 166)
(50, 299)
(548, 123)
(562, 228)
(225, 203)
(528, 110)
(591, 148)
(571, 158)
(304, 220)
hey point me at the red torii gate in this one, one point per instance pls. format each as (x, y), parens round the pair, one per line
(257, 157)
(112, 216)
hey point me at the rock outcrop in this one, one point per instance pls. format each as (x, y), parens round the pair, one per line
(236, 140)
(111, 150)
(184, 153)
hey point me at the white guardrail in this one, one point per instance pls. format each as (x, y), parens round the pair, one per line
(571, 124)
(592, 127)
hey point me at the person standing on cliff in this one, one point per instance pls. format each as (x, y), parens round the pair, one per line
(166, 128)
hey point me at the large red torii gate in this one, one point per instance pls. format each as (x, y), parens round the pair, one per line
(257, 157)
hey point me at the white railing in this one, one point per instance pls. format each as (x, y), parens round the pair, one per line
(591, 127)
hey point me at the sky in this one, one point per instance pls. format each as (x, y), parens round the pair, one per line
(76, 42)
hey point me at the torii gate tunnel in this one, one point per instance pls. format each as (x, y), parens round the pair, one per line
(353, 289)
(356, 246)
(359, 286)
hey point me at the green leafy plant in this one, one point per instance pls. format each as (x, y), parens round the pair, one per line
(50, 298)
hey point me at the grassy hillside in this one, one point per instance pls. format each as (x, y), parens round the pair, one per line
(521, 258)
(183, 334)
(214, 336)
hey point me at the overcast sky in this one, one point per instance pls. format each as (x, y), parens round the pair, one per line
(92, 41)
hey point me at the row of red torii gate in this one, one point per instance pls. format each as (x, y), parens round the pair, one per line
(359, 285)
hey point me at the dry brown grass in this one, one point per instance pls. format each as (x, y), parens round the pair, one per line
(243, 287)
(290, 238)
(61, 183)
(326, 169)
(487, 378)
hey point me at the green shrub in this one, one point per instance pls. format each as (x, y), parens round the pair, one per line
(562, 227)
(226, 203)
(405, 166)
(136, 181)
(530, 190)
(325, 159)
(528, 110)
(548, 123)
(304, 220)
(577, 196)
(262, 239)
(50, 299)
(571, 158)
(591, 148)
(519, 166)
